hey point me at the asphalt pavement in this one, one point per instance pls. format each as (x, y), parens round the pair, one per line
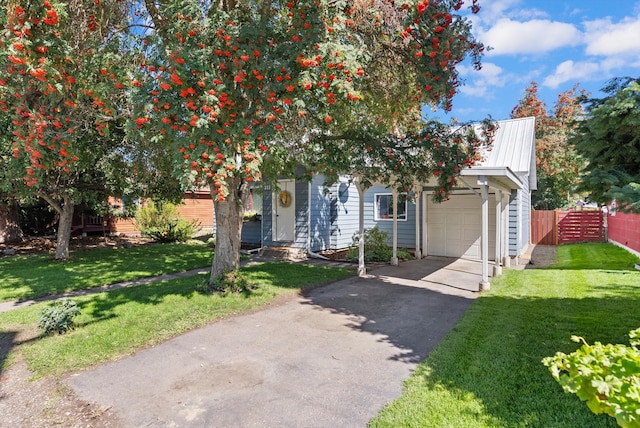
(333, 357)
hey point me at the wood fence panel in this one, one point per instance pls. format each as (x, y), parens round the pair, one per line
(544, 230)
(580, 226)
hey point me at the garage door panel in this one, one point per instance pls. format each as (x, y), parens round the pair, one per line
(454, 227)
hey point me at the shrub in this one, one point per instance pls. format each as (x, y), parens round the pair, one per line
(227, 283)
(607, 377)
(376, 248)
(59, 317)
(160, 222)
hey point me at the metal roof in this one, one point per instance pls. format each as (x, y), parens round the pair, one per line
(513, 145)
(513, 150)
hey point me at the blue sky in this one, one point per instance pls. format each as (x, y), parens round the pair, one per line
(552, 42)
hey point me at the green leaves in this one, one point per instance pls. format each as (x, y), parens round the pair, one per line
(610, 140)
(606, 377)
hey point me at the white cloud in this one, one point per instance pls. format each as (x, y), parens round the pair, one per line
(488, 77)
(606, 38)
(570, 71)
(531, 37)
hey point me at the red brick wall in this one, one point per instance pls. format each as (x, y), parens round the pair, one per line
(625, 229)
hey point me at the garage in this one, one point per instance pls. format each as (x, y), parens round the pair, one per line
(454, 227)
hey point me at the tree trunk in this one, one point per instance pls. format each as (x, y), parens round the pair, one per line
(64, 229)
(228, 216)
(65, 221)
(10, 231)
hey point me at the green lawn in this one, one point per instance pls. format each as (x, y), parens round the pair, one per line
(117, 323)
(488, 371)
(29, 277)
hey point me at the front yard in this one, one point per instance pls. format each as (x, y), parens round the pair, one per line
(488, 371)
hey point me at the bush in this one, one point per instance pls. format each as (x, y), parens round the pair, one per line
(59, 317)
(160, 222)
(607, 377)
(227, 283)
(376, 248)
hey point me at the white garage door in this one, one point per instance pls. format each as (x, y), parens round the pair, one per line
(454, 227)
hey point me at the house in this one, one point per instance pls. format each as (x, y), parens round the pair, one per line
(196, 205)
(487, 217)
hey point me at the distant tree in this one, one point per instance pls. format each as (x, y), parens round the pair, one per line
(62, 75)
(557, 164)
(609, 139)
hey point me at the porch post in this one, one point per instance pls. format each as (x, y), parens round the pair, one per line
(418, 252)
(506, 260)
(362, 270)
(484, 241)
(424, 222)
(394, 257)
(497, 266)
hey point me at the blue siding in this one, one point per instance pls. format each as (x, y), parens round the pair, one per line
(267, 221)
(301, 216)
(320, 232)
(252, 232)
(519, 220)
(345, 207)
(406, 228)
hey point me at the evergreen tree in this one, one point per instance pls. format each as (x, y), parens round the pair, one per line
(610, 141)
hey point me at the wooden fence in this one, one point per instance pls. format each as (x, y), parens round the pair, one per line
(563, 227)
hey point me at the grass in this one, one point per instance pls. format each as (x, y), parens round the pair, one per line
(118, 323)
(488, 371)
(30, 277)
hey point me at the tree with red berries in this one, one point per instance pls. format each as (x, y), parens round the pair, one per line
(61, 87)
(245, 89)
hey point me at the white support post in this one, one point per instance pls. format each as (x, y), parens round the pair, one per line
(418, 252)
(506, 260)
(394, 257)
(424, 223)
(362, 270)
(484, 241)
(497, 265)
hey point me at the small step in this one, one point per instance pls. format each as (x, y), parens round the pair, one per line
(283, 253)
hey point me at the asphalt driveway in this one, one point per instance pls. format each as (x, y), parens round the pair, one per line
(333, 357)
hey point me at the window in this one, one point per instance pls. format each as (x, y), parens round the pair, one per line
(384, 208)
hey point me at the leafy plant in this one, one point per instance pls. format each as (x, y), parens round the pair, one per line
(607, 377)
(162, 223)
(376, 248)
(228, 283)
(59, 317)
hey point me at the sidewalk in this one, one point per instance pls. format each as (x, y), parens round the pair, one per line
(17, 304)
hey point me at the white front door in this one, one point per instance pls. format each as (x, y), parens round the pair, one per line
(284, 211)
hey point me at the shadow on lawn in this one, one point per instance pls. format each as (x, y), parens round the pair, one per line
(505, 373)
(42, 276)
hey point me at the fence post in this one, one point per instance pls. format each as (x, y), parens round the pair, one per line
(556, 228)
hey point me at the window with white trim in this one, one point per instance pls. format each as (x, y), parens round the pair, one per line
(383, 209)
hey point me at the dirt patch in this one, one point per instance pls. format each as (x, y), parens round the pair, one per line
(46, 402)
(47, 244)
(542, 256)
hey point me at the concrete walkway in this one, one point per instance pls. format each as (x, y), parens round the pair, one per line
(17, 304)
(332, 357)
